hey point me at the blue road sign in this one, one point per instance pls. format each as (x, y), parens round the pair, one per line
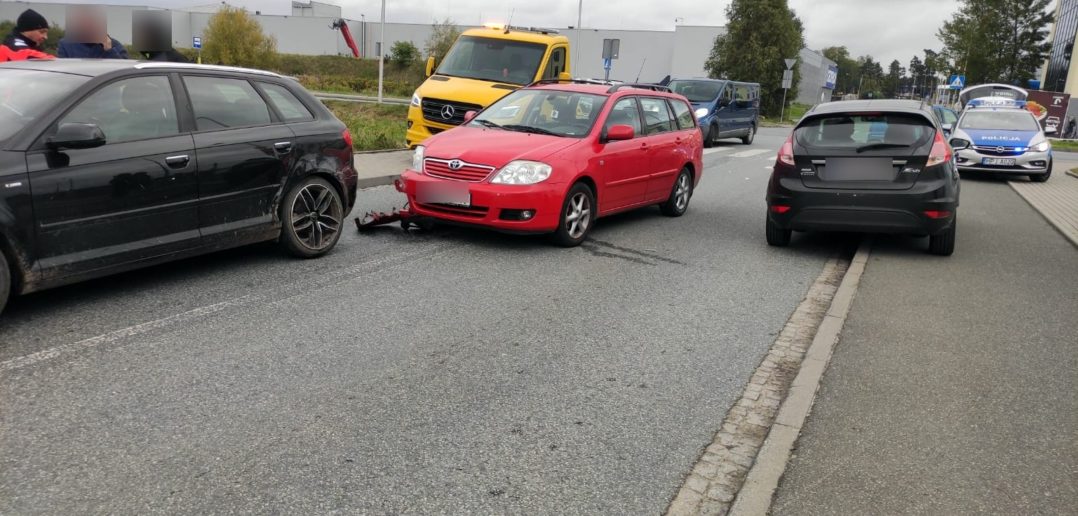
(607, 63)
(196, 42)
(956, 82)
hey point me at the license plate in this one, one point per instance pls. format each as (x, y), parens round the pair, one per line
(442, 193)
(999, 162)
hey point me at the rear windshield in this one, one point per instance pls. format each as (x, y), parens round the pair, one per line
(697, 91)
(857, 130)
(1000, 120)
(25, 94)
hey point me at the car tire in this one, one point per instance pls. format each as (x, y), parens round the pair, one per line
(712, 133)
(577, 216)
(748, 138)
(312, 217)
(942, 243)
(1040, 178)
(777, 236)
(5, 282)
(680, 194)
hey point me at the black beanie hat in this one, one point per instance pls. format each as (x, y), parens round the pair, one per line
(30, 20)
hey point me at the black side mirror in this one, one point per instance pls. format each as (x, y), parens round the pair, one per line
(959, 144)
(77, 136)
(724, 102)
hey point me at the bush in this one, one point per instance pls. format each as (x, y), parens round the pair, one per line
(403, 54)
(442, 36)
(233, 37)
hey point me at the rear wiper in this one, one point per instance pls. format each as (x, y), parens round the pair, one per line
(487, 123)
(874, 146)
(530, 129)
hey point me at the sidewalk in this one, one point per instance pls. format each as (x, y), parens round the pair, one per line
(1055, 199)
(381, 168)
(952, 388)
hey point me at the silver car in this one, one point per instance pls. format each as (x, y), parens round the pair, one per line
(1002, 141)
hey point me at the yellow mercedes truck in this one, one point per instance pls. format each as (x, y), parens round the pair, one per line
(482, 66)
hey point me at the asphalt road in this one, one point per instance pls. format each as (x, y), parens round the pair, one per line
(953, 387)
(447, 372)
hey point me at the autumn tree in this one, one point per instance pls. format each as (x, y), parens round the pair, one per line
(233, 37)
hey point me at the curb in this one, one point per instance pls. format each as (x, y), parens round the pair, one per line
(763, 479)
(1072, 173)
(380, 151)
(371, 182)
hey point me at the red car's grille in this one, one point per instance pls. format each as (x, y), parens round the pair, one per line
(444, 168)
(464, 211)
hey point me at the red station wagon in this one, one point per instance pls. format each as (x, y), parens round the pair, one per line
(552, 157)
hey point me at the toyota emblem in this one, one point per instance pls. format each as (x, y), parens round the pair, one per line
(456, 164)
(999, 149)
(447, 112)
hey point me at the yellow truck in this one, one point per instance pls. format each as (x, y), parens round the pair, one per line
(482, 66)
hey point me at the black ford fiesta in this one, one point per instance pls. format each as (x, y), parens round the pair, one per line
(881, 166)
(108, 166)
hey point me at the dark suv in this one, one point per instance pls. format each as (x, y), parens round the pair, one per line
(866, 165)
(108, 166)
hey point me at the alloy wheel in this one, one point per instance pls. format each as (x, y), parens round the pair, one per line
(316, 216)
(578, 215)
(681, 192)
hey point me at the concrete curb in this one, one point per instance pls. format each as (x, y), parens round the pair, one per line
(756, 494)
(1072, 173)
(380, 151)
(371, 182)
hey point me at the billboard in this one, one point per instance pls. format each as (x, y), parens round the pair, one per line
(1050, 108)
(832, 77)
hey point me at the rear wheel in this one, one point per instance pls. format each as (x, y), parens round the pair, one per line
(5, 282)
(942, 243)
(577, 215)
(1040, 178)
(678, 202)
(311, 216)
(777, 236)
(747, 139)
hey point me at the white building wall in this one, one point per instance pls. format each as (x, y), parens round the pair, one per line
(692, 47)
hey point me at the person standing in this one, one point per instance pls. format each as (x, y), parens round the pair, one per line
(27, 39)
(87, 36)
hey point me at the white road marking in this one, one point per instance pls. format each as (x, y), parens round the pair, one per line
(749, 153)
(713, 150)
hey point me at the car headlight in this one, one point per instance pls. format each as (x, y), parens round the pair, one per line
(702, 112)
(522, 173)
(1041, 147)
(417, 158)
(415, 99)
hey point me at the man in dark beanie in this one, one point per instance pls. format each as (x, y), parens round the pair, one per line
(25, 42)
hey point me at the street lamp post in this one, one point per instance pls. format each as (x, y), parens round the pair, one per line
(382, 52)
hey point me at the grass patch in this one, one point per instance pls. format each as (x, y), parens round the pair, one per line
(1065, 145)
(373, 126)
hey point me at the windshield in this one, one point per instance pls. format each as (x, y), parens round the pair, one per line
(697, 91)
(854, 131)
(495, 60)
(1000, 121)
(18, 108)
(558, 113)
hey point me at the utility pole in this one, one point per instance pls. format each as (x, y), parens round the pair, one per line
(579, 13)
(382, 52)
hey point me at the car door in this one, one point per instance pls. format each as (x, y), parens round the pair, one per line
(133, 198)
(244, 153)
(726, 113)
(663, 141)
(622, 165)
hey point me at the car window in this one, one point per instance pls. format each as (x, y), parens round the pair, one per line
(853, 130)
(683, 113)
(130, 109)
(949, 117)
(17, 109)
(290, 108)
(657, 117)
(624, 112)
(556, 64)
(697, 91)
(220, 103)
(1016, 120)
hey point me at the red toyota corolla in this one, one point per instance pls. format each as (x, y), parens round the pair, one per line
(551, 158)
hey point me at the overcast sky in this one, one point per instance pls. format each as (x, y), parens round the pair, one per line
(884, 29)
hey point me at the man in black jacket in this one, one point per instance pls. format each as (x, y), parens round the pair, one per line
(31, 31)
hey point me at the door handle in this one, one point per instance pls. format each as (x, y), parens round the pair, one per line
(283, 147)
(178, 161)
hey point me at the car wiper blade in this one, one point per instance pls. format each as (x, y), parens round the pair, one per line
(530, 129)
(874, 146)
(487, 123)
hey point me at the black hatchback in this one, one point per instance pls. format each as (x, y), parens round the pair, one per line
(107, 166)
(879, 166)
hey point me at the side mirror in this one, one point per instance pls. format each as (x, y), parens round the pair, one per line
(947, 128)
(469, 115)
(77, 136)
(620, 132)
(430, 66)
(724, 102)
(565, 76)
(959, 144)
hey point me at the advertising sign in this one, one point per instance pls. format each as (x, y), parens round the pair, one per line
(832, 77)
(1050, 108)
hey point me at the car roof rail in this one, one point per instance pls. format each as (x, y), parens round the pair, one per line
(574, 80)
(640, 86)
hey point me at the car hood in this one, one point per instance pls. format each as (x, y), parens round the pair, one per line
(988, 138)
(494, 147)
(468, 91)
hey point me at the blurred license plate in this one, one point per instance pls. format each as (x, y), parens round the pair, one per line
(1005, 162)
(441, 193)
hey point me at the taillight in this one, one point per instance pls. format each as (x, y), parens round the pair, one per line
(779, 208)
(941, 152)
(786, 153)
(937, 214)
(347, 135)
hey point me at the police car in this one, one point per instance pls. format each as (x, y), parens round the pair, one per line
(998, 135)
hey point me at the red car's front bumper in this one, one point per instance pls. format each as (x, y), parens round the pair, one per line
(499, 207)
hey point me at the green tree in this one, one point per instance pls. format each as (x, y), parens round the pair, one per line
(917, 76)
(998, 40)
(747, 53)
(442, 35)
(893, 81)
(848, 72)
(234, 37)
(403, 54)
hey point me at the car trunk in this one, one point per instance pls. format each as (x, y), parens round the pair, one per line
(853, 151)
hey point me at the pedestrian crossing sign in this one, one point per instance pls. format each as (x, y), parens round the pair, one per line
(956, 82)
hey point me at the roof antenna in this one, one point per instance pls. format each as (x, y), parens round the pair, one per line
(641, 70)
(510, 22)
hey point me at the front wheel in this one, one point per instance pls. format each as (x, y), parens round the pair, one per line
(1040, 178)
(942, 243)
(747, 139)
(678, 202)
(311, 216)
(710, 140)
(5, 282)
(577, 216)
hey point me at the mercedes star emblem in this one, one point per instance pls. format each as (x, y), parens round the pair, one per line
(447, 112)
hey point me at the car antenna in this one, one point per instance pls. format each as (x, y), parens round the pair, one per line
(509, 24)
(641, 70)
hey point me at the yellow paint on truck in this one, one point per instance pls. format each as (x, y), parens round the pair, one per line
(483, 66)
